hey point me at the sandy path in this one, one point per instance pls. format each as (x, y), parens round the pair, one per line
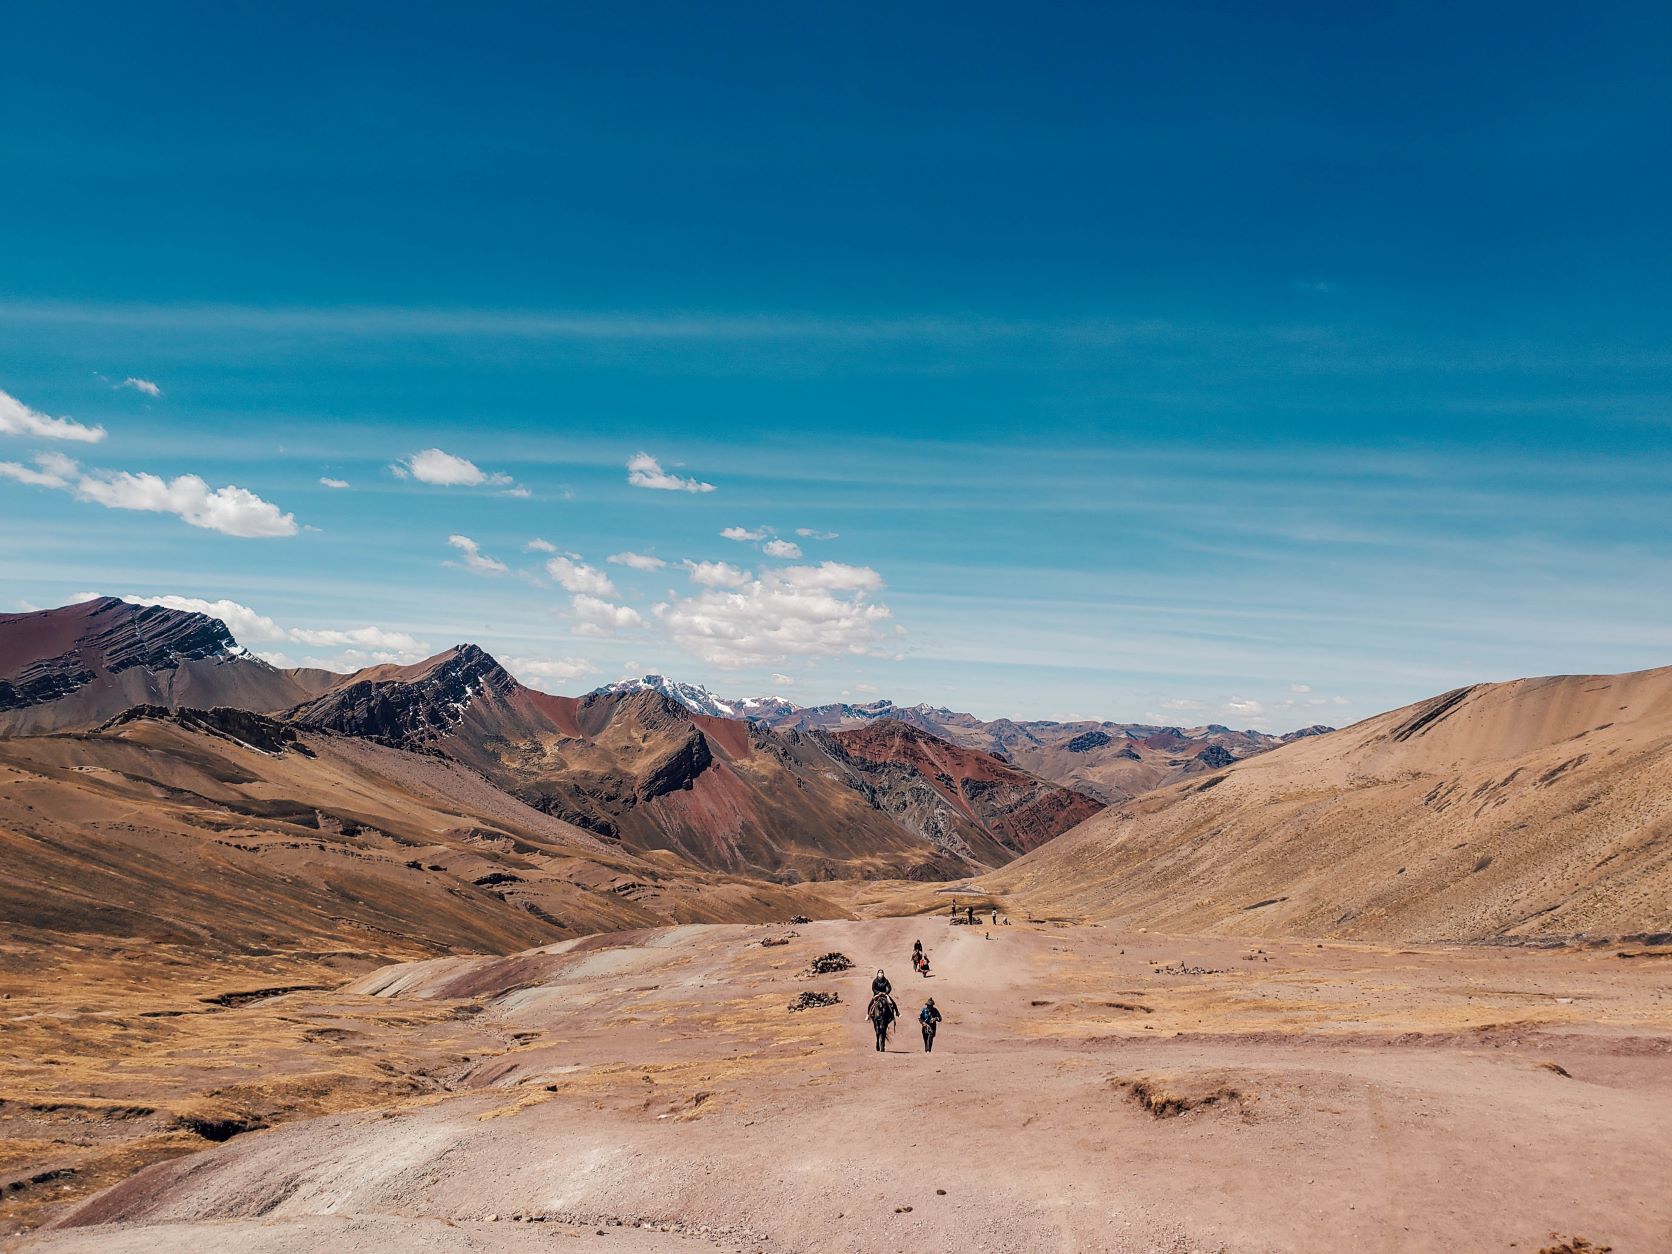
(1310, 1098)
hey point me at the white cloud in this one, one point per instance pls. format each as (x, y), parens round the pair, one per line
(474, 559)
(1300, 687)
(554, 671)
(16, 418)
(716, 574)
(781, 548)
(744, 534)
(1182, 703)
(445, 470)
(807, 533)
(141, 385)
(793, 611)
(230, 510)
(579, 577)
(595, 617)
(1245, 707)
(831, 576)
(327, 482)
(539, 546)
(637, 561)
(1339, 701)
(519, 493)
(44, 474)
(365, 645)
(782, 681)
(644, 471)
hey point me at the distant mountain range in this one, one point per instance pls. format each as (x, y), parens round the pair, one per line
(1110, 761)
(649, 766)
(159, 779)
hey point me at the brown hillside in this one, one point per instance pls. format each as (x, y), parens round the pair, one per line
(1537, 807)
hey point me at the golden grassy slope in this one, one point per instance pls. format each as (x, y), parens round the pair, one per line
(1536, 807)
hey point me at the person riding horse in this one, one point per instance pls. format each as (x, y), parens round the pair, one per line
(882, 1012)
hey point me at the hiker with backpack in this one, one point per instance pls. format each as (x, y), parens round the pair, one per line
(930, 1018)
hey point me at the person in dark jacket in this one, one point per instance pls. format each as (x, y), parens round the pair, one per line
(880, 984)
(930, 1018)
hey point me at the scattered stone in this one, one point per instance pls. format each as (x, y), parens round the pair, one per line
(800, 918)
(809, 999)
(902, 1210)
(829, 964)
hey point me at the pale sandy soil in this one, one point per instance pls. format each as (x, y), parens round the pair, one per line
(1092, 1089)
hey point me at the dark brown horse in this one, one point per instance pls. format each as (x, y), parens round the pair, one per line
(882, 1012)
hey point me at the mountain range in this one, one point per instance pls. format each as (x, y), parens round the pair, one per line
(1530, 808)
(1107, 760)
(633, 766)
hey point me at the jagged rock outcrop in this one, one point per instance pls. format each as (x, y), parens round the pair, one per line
(1215, 756)
(409, 707)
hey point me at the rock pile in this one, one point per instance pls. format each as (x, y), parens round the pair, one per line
(809, 999)
(829, 964)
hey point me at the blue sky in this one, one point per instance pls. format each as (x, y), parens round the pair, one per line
(1255, 364)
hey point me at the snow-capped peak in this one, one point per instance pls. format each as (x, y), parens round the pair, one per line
(692, 696)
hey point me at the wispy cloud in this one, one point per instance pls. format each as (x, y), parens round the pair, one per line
(717, 574)
(781, 548)
(16, 418)
(230, 510)
(792, 611)
(549, 672)
(808, 533)
(434, 466)
(644, 471)
(637, 561)
(140, 385)
(595, 616)
(576, 576)
(474, 560)
(327, 482)
(745, 535)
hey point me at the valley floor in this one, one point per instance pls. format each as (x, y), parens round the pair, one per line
(1091, 1089)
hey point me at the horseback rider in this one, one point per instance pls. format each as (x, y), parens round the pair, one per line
(882, 1012)
(930, 1018)
(880, 984)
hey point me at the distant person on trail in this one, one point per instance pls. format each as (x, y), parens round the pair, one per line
(930, 1018)
(923, 967)
(917, 947)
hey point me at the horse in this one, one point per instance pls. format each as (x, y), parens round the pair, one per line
(882, 1012)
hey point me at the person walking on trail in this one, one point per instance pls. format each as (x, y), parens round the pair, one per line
(923, 967)
(930, 1018)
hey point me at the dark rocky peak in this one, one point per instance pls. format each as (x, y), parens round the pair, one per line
(1317, 729)
(47, 654)
(410, 707)
(1085, 742)
(1215, 756)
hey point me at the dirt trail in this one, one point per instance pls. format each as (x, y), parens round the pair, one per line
(1090, 1090)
